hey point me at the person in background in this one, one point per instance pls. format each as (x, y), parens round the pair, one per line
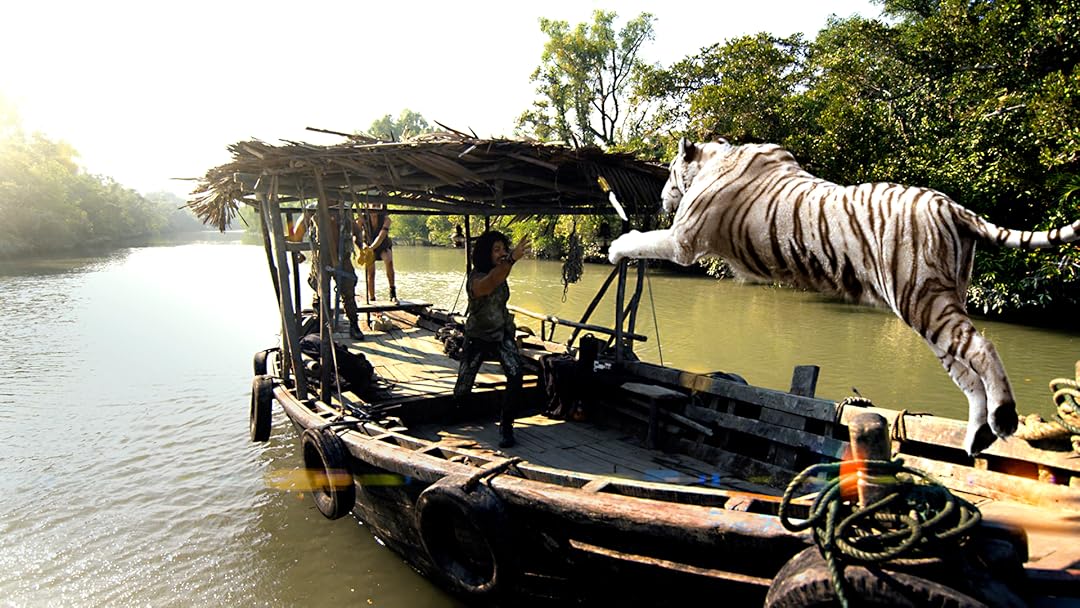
(489, 326)
(377, 231)
(459, 237)
(346, 279)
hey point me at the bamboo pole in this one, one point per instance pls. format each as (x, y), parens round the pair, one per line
(325, 321)
(264, 219)
(620, 297)
(592, 305)
(636, 299)
(468, 248)
(289, 328)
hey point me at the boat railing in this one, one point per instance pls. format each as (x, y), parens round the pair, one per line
(548, 323)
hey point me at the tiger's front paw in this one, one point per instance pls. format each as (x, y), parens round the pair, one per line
(613, 255)
(621, 247)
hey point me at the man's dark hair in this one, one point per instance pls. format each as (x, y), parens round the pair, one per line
(481, 253)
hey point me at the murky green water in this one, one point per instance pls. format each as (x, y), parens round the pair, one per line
(127, 477)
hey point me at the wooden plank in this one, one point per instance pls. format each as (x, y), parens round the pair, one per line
(391, 306)
(997, 485)
(826, 446)
(651, 391)
(762, 474)
(807, 407)
(724, 575)
(939, 431)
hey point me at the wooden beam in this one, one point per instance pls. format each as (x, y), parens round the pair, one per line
(592, 305)
(826, 446)
(587, 327)
(619, 298)
(326, 323)
(946, 432)
(289, 326)
(807, 407)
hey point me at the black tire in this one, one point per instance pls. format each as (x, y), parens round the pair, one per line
(259, 362)
(326, 460)
(804, 582)
(262, 399)
(466, 536)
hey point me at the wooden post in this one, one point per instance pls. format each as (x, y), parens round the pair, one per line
(635, 300)
(468, 248)
(295, 255)
(289, 327)
(326, 323)
(592, 305)
(264, 219)
(870, 441)
(804, 380)
(621, 295)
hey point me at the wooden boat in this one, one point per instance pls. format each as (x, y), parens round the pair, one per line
(655, 485)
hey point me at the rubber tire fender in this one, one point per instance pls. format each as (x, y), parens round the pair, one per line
(262, 400)
(804, 582)
(326, 460)
(258, 363)
(467, 536)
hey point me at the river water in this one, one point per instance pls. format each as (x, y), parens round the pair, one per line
(126, 476)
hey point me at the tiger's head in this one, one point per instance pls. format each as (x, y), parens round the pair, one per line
(685, 167)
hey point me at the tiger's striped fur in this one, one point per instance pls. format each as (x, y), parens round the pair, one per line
(910, 249)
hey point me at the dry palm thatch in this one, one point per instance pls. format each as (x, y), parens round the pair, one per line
(439, 173)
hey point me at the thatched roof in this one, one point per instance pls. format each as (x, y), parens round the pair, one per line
(445, 173)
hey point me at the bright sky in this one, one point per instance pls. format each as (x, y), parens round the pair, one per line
(147, 91)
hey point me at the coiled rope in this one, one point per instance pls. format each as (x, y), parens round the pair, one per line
(910, 524)
(574, 264)
(1066, 424)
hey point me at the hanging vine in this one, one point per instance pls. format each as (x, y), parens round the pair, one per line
(573, 265)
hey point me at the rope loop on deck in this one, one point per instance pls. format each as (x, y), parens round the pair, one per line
(913, 522)
(1066, 422)
(851, 401)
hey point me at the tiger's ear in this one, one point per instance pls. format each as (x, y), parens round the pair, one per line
(687, 149)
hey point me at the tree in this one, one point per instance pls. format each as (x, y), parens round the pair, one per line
(584, 78)
(410, 228)
(744, 89)
(50, 204)
(408, 124)
(980, 100)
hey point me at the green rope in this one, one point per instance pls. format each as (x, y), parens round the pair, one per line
(909, 524)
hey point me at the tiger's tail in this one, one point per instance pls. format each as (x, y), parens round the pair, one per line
(1019, 239)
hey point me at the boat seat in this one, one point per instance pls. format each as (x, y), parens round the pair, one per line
(654, 398)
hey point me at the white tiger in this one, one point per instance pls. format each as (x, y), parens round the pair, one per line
(907, 248)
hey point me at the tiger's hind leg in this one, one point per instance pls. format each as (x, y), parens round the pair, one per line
(974, 365)
(979, 435)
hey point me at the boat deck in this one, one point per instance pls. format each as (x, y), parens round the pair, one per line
(585, 448)
(411, 362)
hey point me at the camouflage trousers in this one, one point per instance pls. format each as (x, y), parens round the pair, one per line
(473, 355)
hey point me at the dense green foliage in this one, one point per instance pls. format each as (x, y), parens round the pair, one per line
(979, 99)
(407, 124)
(49, 204)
